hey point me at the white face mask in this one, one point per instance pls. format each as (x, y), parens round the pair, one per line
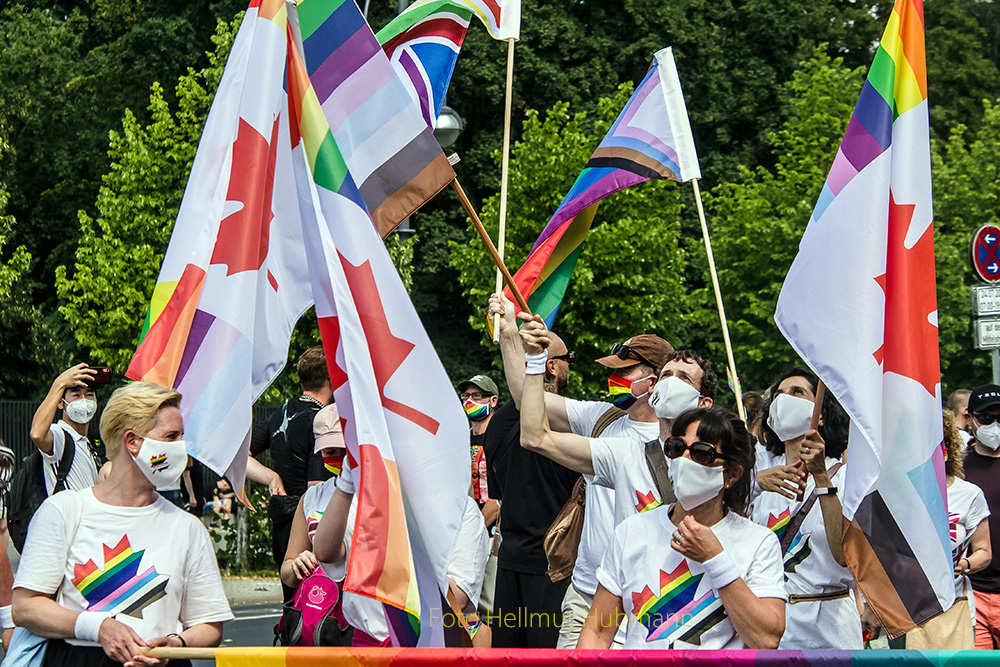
(162, 463)
(989, 435)
(694, 484)
(82, 410)
(672, 396)
(790, 416)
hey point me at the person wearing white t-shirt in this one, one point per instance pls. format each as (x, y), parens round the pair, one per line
(73, 394)
(820, 586)
(116, 568)
(332, 548)
(633, 366)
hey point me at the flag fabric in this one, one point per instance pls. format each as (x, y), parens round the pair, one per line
(859, 305)
(403, 425)
(233, 281)
(650, 139)
(502, 18)
(423, 44)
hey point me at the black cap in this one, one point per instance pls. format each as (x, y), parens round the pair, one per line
(983, 397)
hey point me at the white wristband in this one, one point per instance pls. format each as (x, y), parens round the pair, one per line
(721, 570)
(6, 620)
(88, 625)
(534, 364)
(345, 480)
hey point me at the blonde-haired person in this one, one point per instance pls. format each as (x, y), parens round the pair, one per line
(971, 552)
(115, 567)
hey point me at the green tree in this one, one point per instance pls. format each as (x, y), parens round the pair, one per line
(630, 275)
(758, 220)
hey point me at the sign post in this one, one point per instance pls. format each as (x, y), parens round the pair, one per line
(985, 255)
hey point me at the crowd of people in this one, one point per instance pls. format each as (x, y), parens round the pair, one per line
(655, 519)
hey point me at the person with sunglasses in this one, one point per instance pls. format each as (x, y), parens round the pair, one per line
(819, 584)
(697, 573)
(633, 366)
(982, 468)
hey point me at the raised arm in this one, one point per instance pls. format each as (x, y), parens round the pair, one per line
(813, 455)
(512, 351)
(328, 541)
(76, 376)
(568, 449)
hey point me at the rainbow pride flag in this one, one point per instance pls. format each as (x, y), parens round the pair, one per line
(859, 305)
(650, 139)
(502, 18)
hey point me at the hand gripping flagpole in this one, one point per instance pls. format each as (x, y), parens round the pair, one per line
(504, 173)
(718, 301)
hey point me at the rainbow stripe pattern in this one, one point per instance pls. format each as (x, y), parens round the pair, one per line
(502, 18)
(119, 588)
(779, 524)
(619, 389)
(650, 139)
(897, 82)
(677, 590)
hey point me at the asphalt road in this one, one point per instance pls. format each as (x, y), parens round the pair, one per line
(254, 626)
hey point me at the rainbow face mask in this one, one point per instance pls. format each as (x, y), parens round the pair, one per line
(334, 462)
(476, 411)
(620, 391)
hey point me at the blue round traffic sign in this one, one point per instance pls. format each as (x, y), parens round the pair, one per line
(986, 252)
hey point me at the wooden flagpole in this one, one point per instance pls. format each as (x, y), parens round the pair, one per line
(504, 173)
(718, 302)
(497, 259)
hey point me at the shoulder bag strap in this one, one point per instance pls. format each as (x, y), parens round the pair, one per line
(800, 516)
(657, 463)
(65, 461)
(610, 416)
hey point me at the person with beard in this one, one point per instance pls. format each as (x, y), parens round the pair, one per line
(532, 490)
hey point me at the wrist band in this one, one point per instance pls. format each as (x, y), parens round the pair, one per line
(721, 570)
(345, 481)
(184, 644)
(6, 620)
(88, 625)
(534, 364)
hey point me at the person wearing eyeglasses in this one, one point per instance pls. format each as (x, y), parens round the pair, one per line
(982, 468)
(809, 526)
(696, 574)
(633, 366)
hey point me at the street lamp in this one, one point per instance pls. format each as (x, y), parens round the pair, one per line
(448, 127)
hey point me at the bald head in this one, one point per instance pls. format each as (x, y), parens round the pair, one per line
(557, 347)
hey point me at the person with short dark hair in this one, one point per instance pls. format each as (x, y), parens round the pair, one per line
(820, 586)
(288, 434)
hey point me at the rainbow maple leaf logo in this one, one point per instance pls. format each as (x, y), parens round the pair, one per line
(645, 501)
(119, 588)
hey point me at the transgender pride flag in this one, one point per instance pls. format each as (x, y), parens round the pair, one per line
(859, 305)
(650, 139)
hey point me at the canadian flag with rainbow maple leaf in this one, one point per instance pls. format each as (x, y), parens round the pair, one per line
(859, 305)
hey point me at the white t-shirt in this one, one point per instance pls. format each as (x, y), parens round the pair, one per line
(153, 566)
(599, 516)
(82, 472)
(620, 464)
(967, 508)
(667, 599)
(467, 568)
(314, 503)
(811, 570)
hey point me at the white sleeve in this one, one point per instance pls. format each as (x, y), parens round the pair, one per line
(609, 573)
(468, 563)
(603, 456)
(978, 511)
(58, 443)
(204, 598)
(47, 546)
(766, 575)
(582, 415)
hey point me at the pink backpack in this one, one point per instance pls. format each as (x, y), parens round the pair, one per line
(314, 616)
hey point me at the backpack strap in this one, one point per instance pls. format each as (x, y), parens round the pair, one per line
(610, 416)
(796, 523)
(65, 462)
(657, 463)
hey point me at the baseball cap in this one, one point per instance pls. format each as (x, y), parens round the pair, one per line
(983, 397)
(327, 429)
(483, 382)
(644, 348)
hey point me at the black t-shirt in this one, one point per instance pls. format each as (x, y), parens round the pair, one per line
(288, 433)
(531, 487)
(984, 472)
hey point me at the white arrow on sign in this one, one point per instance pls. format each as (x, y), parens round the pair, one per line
(990, 238)
(992, 268)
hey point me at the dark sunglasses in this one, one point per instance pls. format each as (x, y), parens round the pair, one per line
(569, 357)
(984, 419)
(701, 452)
(622, 350)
